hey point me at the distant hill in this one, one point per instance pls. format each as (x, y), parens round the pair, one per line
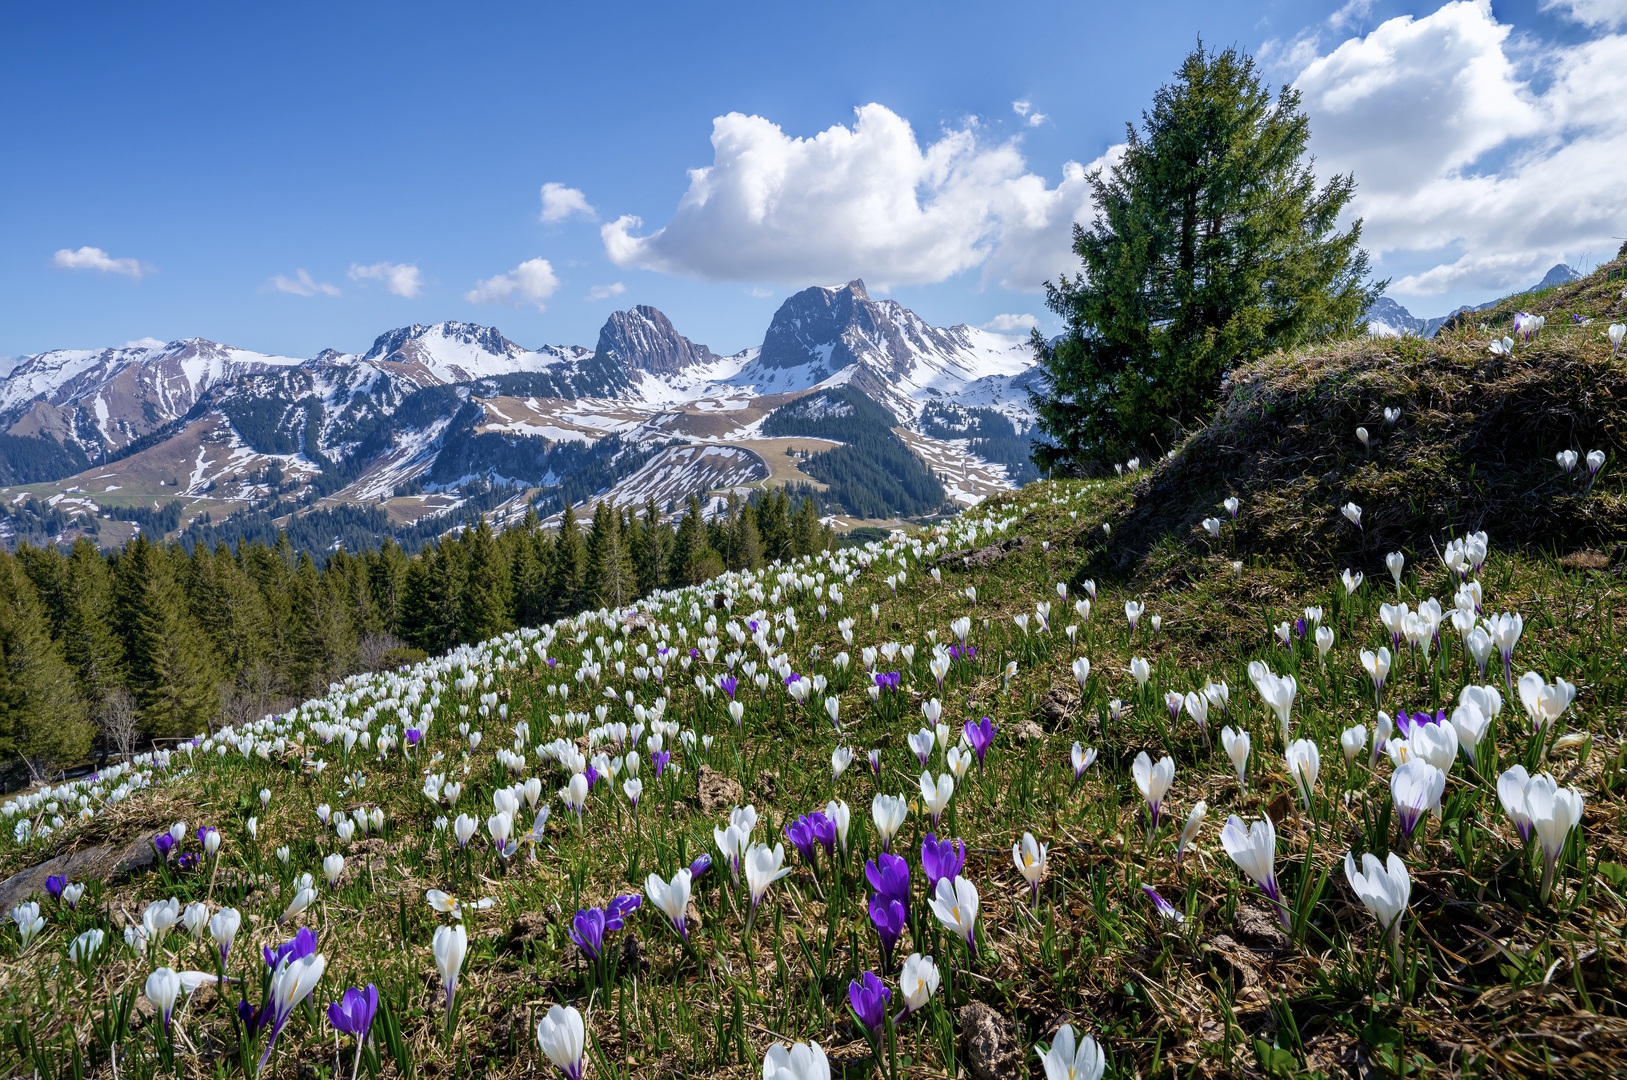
(1386, 318)
(873, 473)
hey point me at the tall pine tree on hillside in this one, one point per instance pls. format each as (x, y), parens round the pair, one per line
(570, 565)
(486, 598)
(89, 643)
(1212, 245)
(169, 668)
(42, 717)
(610, 563)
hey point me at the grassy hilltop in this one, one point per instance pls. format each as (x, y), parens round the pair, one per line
(1488, 975)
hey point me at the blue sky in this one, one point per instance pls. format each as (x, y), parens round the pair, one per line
(309, 176)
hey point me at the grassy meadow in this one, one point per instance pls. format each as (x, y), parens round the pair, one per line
(390, 834)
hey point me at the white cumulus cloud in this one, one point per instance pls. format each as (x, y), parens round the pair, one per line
(148, 342)
(403, 279)
(1481, 158)
(302, 284)
(867, 201)
(560, 202)
(1011, 324)
(605, 292)
(532, 282)
(94, 258)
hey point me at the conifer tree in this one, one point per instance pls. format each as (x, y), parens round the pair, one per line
(528, 596)
(1212, 245)
(746, 549)
(570, 565)
(653, 550)
(42, 717)
(686, 543)
(89, 643)
(387, 575)
(774, 525)
(169, 669)
(486, 599)
(418, 603)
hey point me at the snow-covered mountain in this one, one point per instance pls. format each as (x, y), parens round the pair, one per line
(824, 336)
(1386, 318)
(433, 407)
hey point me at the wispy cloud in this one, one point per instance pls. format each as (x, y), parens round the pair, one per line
(402, 279)
(605, 292)
(302, 284)
(1025, 109)
(94, 258)
(532, 282)
(560, 202)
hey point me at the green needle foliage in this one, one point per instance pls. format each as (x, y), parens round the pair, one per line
(1212, 245)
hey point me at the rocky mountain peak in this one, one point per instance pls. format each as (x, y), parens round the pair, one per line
(644, 339)
(410, 343)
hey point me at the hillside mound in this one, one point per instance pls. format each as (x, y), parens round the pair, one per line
(1472, 446)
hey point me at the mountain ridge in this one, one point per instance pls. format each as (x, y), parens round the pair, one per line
(1387, 318)
(428, 409)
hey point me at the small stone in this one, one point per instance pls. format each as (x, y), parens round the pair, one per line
(1057, 706)
(718, 793)
(528, 928)
(1259, 927)
(632, 953)
(990, 1043)
(1027, 730)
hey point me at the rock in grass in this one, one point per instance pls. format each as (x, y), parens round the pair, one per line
(990, 1043)
(717, 792)
(101, 863)
(529, 927)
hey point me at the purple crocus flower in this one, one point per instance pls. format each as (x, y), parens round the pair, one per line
(694, 654)
(941, 859)
(1408, 724)
(587, 930)
(593, 776)
(869, 1001)
(353, 1014)
(967, 653)
(616, 912)
(302, 945)
(165, 843)
(981, 736)
(727, 684)
(250, 1017)
(875, 763)
(888, 917)
(1162, 906)
(1299, 628)
(553, 661)
(889, 875)
(203, 834)
(824, 830)
(659, 761)
(413, 735)
(54, 885)
(800, 833)
(696, 869)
